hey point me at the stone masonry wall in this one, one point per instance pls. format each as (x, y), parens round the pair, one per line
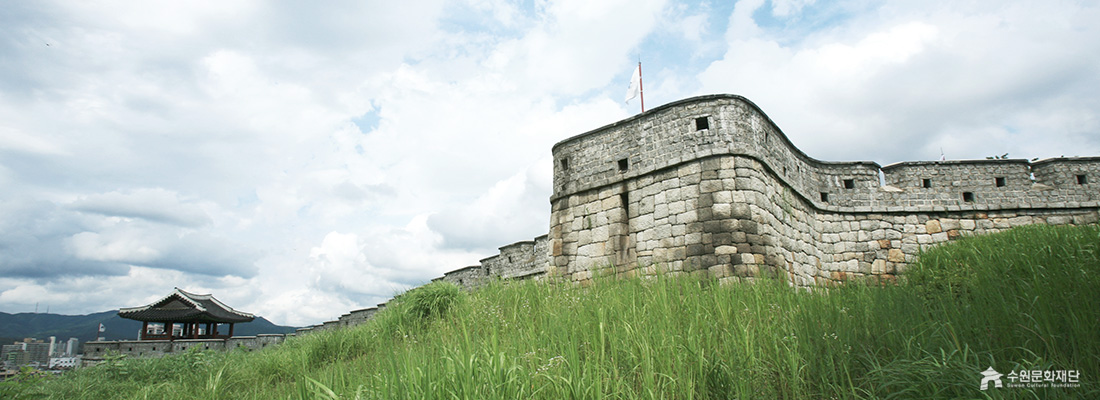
(710, 185)
(520, 260)
(96, 352)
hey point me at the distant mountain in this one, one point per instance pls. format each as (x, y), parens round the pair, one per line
(15, 327)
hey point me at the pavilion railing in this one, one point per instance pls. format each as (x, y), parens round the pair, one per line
(164, 336)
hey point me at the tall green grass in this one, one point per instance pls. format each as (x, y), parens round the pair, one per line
(1024, 299)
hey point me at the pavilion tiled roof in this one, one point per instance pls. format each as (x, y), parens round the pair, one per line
(181, 306)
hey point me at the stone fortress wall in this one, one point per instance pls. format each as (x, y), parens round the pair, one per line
(710, 186)
(96, 352)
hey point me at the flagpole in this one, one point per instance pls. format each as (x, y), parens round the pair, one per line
(641, 90)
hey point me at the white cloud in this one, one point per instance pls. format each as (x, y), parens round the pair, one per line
(577, 45)
(506, 213)
(25, 294)
(93, 246)
(914, 78)
(89, 294)
(871, 54)
(157, 205)
(137, 245)
(12, 139)
(785, 8)
(692, 26)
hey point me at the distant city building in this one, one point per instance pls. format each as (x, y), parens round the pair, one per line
(39, 354)
(7, 356)
(30, 352)
(72, 347)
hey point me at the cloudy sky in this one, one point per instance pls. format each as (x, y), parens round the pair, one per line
(299, 162)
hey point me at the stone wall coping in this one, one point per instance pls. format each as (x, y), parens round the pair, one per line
(462, 269)
(954, 162)
(519, 243)
(1066, 159)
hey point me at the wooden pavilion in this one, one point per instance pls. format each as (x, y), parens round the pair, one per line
(197, 315)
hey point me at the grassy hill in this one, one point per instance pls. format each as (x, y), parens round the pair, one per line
(1027, 299)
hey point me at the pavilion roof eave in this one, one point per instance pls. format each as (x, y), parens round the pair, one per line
(159, 316)
(211, 312)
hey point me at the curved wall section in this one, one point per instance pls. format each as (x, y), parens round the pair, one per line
(711, 185)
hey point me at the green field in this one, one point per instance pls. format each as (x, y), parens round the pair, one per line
(1026, 299)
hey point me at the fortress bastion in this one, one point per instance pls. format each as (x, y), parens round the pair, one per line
(710, 185)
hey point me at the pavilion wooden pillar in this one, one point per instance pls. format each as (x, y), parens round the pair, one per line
(230, 329)
(168, 329)
(144, 329)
